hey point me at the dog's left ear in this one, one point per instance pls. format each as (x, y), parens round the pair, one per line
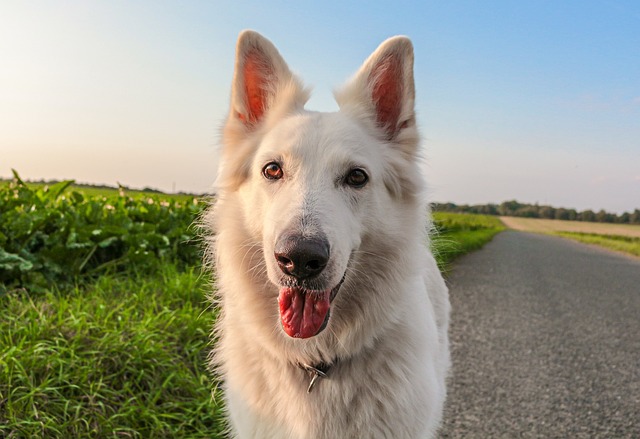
(382, 91)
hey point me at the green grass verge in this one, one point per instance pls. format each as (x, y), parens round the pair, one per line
(124, 357)
(626, 244)
(459, 233)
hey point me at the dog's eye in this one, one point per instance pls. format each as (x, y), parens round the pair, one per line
(357, 178)
(272, 171)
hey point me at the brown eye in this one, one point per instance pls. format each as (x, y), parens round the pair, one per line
(357, 178)
(272, 171)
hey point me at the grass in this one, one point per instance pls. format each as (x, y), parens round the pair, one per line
(124, 357)
(123, 353)
(625, 244)
(459, 233)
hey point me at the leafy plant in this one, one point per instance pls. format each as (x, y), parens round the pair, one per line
(49, 236)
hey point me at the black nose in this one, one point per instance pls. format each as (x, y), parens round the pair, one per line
(301, 257)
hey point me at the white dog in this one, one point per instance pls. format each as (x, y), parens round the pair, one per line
(333, 314)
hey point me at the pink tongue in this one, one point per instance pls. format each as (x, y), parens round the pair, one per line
(303, 313)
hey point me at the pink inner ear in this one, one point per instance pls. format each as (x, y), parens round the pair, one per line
(256, 72)
(386, 92)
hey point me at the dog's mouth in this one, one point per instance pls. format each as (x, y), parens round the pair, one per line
(305, 313)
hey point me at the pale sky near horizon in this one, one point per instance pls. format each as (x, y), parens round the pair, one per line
(537, 101)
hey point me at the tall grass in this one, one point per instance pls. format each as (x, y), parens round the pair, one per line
(124, 357)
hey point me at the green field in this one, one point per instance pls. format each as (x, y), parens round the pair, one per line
(104, 322)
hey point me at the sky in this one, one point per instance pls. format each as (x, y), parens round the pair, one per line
(537, 101)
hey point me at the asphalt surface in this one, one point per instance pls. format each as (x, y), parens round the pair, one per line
(545, 341)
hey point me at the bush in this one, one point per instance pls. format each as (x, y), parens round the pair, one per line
(51, 237)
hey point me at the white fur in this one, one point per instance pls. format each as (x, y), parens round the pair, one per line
(387, 334)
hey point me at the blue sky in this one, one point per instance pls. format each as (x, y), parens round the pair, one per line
(533, 100)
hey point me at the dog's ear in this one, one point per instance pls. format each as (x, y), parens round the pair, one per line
(382, 91)
(261, 75)
(263, 87)
(381, 95)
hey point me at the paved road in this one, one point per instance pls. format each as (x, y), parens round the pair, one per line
(545, 341)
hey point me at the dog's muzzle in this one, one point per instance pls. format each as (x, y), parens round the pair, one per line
(304, 301)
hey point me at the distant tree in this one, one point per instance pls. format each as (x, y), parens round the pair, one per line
(547, 212)
(623, 218)
(587, 215)
(561, 214)
(604, 217)
(487, 209)
(527, 211)
(509, 208)
(515, 208)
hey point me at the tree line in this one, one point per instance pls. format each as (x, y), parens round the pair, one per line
(515, 208)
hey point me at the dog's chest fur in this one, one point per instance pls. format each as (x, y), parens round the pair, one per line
(378, 393)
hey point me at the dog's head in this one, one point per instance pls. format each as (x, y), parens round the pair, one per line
(317, 189)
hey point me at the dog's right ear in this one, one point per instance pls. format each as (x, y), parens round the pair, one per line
(261, 81)
(263, 88)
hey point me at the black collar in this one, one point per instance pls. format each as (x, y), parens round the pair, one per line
(320, 370)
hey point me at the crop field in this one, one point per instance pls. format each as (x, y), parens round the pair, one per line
(618, 237)
(110, 191)
(548, 225)
(104, 320)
